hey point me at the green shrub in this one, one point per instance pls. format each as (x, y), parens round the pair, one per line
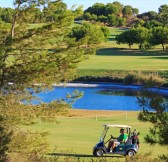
(143, 158)
(144, 79)
(5, 139)
(130, 79)
(151, 80)
(164, 157)
(147, 80)
(165, 85)
(103, 79)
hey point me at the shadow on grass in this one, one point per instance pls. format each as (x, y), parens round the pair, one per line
(111, 39)
(122, 28)
(131, 52)
(82, 155)
(162, 58)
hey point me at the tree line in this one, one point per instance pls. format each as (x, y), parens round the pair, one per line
(145, 38)
(37, 13)
(116, 14)
(110, 14)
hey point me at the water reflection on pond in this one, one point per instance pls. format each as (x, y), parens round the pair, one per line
(97, 98)
(121, 92)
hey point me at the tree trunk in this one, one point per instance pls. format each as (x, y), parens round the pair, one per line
(163, 46)
(3, 69)
(129, 46)
(2, 78)
(14, 21)
(13, 26)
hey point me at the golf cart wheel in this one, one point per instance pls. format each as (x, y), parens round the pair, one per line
(98, 152)
(131, 153)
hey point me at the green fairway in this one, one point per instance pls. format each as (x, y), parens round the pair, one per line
(115, 59)
(112, 57)
(78, 136)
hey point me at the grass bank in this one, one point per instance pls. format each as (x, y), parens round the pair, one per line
(77, 133)
(118, 60)
(125, 60)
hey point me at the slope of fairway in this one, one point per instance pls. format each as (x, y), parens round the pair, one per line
(112, 56)
(122, 59)
(77, 135)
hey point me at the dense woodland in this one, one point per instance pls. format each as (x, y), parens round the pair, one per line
(110, 14)
(49, 53)
(149, 29)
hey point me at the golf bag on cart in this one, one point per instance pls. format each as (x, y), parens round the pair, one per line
(135, 139)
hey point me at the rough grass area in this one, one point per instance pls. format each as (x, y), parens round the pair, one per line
(76, 136)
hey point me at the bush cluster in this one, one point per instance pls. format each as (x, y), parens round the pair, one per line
(144, 158)
(142, 79)
(146, 80)
(101, 79)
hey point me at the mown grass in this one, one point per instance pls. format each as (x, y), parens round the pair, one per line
(117, 59)
(77, 136)
(113, 57)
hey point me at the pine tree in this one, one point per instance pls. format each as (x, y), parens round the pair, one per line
(30, 55)
(42, 54)
(158, 116)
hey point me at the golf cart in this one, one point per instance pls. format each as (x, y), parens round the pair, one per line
(130, 147)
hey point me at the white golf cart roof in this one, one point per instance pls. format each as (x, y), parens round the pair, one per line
(116, 125)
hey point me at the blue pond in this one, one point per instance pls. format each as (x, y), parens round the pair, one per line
(101, 97)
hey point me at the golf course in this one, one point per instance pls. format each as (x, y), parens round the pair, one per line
(112, 57)
(83, 81)
(77, 133)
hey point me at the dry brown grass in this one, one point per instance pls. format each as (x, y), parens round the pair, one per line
(82, 113)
